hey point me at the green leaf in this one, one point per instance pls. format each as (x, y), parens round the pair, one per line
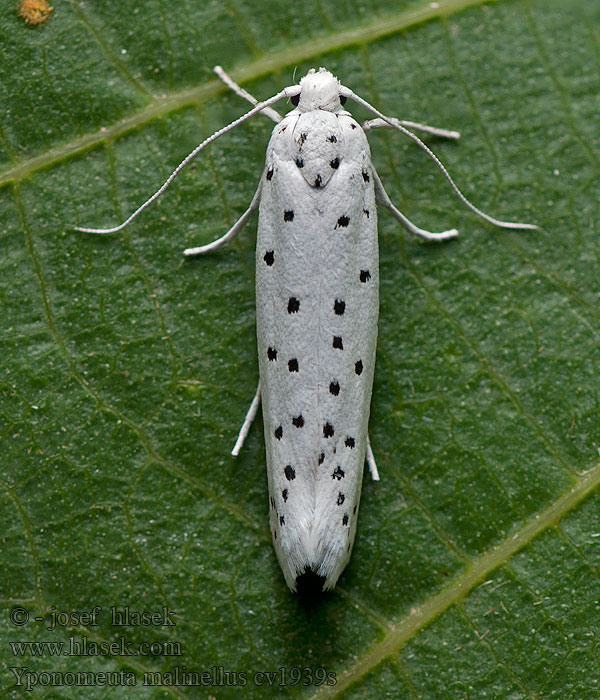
(127, 371)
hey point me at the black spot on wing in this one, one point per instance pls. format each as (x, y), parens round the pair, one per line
(288, 215)
(338, 473)
(269, 257)
(298, 421)
(293, 305)
(290, 473)
(339, 307)
(343, 221)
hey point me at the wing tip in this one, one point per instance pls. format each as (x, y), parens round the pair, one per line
(309, 586)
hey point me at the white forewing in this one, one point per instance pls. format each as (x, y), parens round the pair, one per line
(317, 307)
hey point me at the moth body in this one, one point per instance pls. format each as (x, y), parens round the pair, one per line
(317, 281)
(316, 316)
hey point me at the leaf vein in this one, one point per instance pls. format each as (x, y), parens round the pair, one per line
(413, 623)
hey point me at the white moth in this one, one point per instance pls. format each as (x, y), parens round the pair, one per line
(317, 305)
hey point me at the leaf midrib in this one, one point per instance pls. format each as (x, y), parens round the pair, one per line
(274, 62)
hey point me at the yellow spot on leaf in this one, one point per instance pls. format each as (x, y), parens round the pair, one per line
(34, 11)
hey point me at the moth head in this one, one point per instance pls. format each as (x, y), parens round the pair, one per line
(318, 90)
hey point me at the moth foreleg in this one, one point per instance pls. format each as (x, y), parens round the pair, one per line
(232, 85)
(433, 130)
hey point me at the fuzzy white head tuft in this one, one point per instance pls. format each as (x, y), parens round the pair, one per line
(319, 90)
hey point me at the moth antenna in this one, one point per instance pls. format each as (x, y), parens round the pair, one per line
(260, 106)
(396, 125)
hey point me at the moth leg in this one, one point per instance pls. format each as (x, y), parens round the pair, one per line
(382, 198)
(247, 422)
(232, 85)
(433, 130)
(233, 231)
(371, 461)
